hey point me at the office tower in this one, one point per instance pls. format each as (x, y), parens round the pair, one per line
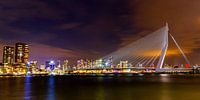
(65, 64)
(123, 64)
(21, 53)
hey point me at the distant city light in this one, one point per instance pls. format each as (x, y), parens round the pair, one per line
(134, 58)
(51, 62)
(28, 63)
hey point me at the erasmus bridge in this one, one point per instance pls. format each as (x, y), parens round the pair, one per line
(147, 53)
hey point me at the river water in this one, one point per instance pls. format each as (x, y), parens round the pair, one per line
(101, 87)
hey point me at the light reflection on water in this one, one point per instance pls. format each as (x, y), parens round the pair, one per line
(104, 87)
(165, 93)
(165, 78)
(51, 88)
(27, 88)
(100, 93)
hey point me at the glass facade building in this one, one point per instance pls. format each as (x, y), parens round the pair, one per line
(8, 55)
(21, 53)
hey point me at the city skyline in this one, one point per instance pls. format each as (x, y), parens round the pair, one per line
(146, 55)
(39, 52)
(99, 49)
(92, 29)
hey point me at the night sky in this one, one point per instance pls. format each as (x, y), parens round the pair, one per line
(94, 28)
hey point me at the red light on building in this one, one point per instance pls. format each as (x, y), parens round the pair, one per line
(187, 65)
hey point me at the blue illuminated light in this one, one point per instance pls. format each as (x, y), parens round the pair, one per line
(51, 62)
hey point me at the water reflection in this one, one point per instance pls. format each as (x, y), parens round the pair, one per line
(146, 87)
(100, 93)
(165, 92)
(27, 88)
(165, 78)
(51, 88)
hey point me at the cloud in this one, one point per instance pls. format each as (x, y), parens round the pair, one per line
(20, 9)
(182, 16)
(68, 26)
(43, 52)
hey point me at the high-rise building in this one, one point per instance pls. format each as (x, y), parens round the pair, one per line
(21, 53)
(123, 64)
(80, 64)
(99, 63)
(65, 65)
(8, 55)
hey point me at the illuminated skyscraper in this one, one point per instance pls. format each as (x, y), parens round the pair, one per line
(21, 53)
(99, 63)
(8, 55)
(80, 64)
(65, 64)
(123, 64)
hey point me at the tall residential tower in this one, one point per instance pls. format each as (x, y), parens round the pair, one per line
(21, 53)
(8, 55)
